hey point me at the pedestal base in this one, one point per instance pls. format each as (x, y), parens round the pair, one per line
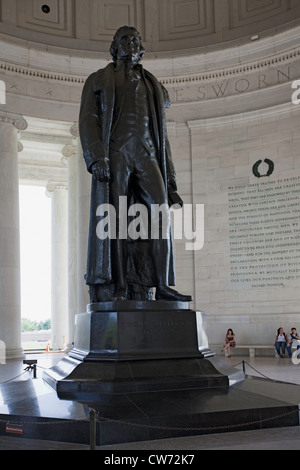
(139, 330)
(91, 382)
(147, 371)
(129, 347)
(254, 403)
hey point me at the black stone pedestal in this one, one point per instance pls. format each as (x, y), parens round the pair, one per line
(125, 347)
(136, 330)
(147, 371)
(128, 347)
(132, 354)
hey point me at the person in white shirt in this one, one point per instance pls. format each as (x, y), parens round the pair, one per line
(280, 342)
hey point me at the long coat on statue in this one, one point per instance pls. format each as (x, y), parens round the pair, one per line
(95, 125)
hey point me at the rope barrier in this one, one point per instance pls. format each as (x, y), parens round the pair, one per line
(97, 417)
(45, 423)
(263, 375)
(244, 370)
(14, 378)
(17, 376)
(205, 428)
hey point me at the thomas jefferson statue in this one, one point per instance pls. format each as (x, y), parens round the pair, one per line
(125, 146)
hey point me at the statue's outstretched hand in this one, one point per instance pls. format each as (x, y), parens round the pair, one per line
(101, 171)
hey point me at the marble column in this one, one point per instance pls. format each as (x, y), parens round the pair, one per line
(59, 266)
(70, 153)
(10, 291)
(83, 211)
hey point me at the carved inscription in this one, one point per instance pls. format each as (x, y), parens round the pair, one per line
(207, 88)
(158, 327)
(264, 229)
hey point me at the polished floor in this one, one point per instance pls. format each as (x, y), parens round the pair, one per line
(287, 438)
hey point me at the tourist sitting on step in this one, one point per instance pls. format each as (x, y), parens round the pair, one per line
(280, 342)
(292, 337)
(230, 342)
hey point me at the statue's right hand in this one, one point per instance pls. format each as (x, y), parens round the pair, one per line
(101, 171)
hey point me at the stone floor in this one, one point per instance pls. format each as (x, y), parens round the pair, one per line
(287, 438)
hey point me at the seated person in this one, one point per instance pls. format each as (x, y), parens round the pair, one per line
(229, 341)
(292, 337)
(280, 342)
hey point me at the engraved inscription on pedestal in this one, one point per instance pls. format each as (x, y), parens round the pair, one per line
(104, 333)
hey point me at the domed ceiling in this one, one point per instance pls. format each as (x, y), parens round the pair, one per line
(166, 25)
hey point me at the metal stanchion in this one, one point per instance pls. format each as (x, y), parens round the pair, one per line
(31, 363)
(244, 367)
(93, 429)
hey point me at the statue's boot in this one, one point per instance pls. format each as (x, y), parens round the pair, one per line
(120, 295)
(166, 293)
(161, 257)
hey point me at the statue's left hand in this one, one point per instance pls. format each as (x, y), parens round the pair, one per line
(101, 171)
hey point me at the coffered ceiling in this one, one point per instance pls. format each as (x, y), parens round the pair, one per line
(165, 25)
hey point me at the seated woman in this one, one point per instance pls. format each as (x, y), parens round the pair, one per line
(229, 342)
(280, 342)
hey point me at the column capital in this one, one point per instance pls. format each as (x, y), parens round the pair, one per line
(16, 119)
(69, 151)
(52, 186)
(75, 130)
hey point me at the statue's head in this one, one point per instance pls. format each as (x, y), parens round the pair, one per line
(127, 45)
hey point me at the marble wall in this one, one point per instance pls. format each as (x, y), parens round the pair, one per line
(247, 274)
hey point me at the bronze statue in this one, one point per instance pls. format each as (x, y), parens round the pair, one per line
(125, 146)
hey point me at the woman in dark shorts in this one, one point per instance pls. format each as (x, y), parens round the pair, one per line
(229, 341)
